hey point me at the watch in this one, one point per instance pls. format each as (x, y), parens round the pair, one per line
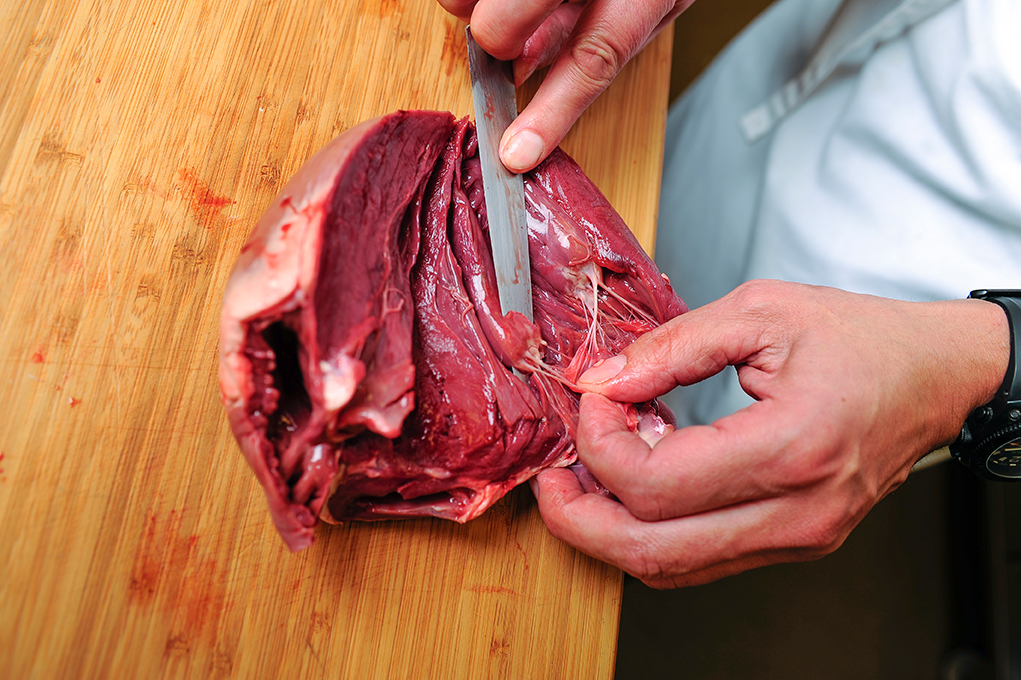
(990, 441)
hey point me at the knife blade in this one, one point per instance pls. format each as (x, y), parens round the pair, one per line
(495, 107)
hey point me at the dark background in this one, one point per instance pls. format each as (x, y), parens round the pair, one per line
(876, 608)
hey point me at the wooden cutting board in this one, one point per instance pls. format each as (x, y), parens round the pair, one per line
(139, 143)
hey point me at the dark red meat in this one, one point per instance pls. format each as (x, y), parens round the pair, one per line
(364, 362)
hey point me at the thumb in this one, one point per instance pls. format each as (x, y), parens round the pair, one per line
(683, 351)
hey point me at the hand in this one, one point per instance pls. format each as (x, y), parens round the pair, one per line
(587, 43)
(850, 390)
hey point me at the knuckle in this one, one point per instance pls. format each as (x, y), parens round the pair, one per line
(806, 460)
(660, 582)
(753, 291)
(759, 295)
(712, 361)
(826, 533)
(557, 527)
(597, 60)
(789, 470)
(644, 506)
(644, 567)
(827, 542)
(649, 562)
(803, 469)
(639, 559)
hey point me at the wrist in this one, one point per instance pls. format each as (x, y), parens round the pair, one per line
(990, 440)
(990, 342)
(973, 360)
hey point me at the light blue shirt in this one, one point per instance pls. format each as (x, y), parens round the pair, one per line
(897, 173)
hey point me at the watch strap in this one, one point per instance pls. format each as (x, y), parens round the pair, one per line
(1010, 302)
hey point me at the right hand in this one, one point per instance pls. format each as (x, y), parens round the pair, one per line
(586, 43)
(851, 390)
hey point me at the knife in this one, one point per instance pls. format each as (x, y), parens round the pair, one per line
(495, 107)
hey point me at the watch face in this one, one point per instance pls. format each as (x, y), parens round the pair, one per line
(1005, 461)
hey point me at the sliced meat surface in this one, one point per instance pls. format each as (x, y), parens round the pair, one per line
(365, 365)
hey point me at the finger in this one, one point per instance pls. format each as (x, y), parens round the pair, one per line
(755, 454)
(605, 439)
(688, 550)
(501, 28)
(607, 34)
(544, 45)
(683, 351)
(461, 9)
(556, 489)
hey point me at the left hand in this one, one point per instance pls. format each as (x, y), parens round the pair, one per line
(851, 390)
(585, 43)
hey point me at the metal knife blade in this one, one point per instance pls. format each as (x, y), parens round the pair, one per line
(495, 107)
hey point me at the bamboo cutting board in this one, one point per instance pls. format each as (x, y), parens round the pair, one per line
(139, 143)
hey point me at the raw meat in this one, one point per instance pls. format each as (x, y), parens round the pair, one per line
(364, 362)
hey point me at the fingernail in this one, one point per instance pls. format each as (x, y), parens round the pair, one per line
(522, 72)
(534, 483)
(605, 370)
(522, 152)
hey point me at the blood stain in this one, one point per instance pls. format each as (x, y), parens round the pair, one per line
(38, 357)
(203, 203)
(73, 402)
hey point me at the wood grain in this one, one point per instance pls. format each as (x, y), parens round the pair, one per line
(139, 143)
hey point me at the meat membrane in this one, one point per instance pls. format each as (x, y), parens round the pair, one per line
(365, 365)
